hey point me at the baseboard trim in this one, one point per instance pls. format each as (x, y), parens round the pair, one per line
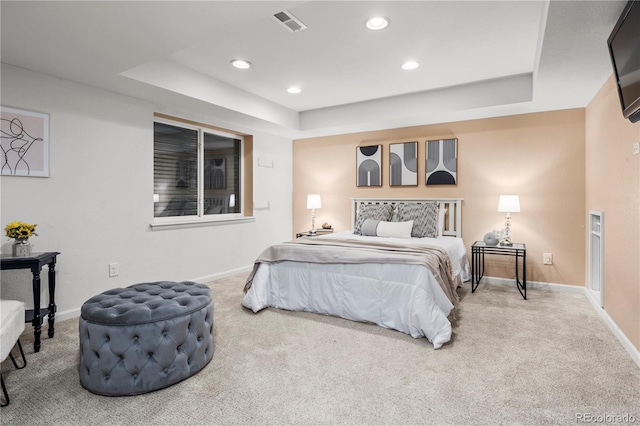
(622, 338)
(225, 274)
(64, 315)
(534, 284)
(75, 313)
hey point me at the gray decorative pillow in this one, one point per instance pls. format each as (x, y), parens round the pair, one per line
(369, 227)
(424, 216)
(371, 211)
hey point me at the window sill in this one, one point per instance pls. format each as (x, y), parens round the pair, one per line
(172, 223)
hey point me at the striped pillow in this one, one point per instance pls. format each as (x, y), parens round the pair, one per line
(424, 216)
(371, 211)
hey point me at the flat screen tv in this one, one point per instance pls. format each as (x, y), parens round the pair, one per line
(624, 49)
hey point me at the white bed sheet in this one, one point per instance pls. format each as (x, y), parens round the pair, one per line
(406, 298)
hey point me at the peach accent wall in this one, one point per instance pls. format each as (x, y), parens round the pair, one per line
(613, 186)
(539, 156)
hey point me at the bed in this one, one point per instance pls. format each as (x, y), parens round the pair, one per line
(398, 267)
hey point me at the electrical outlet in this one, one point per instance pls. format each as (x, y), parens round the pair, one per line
(114, 269)
(636, 148)
(547, 258)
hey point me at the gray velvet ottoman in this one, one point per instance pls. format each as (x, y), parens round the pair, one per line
(145, 337)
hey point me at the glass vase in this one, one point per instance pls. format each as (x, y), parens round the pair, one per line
(21, 248)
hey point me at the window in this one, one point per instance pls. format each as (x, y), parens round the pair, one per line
(197, 173)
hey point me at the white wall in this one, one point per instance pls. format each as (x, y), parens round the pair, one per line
(97, 205)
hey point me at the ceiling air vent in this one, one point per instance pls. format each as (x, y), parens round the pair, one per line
(289, 21)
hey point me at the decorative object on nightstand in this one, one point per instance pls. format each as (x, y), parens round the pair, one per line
(319, 232)
(20, 232)
(508, 204)
(313, 202)
(490, 239)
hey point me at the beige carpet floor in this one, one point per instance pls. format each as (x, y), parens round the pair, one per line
(547, 360)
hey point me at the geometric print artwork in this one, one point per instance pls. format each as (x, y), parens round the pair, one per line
(369, 165)
(403, 164)
(441, 163)
(218, 173)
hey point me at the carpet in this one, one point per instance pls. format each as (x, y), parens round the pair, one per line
(550, 359)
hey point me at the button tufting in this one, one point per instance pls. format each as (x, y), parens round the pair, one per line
(166, 305)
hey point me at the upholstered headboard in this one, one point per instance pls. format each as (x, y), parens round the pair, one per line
(453, 218)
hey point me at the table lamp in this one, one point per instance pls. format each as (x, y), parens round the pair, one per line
(508, 204)
(313, 203)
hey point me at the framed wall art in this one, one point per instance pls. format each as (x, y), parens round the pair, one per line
(369, 165)
(442, 162)
(403, 164)
(216, 174)
(24, 139)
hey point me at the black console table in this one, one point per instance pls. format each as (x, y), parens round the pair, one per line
(36, 315)
(479, 249)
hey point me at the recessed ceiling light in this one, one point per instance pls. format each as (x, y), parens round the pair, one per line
(294, 90)
(241, 63)
(410, 65)
(377, 23)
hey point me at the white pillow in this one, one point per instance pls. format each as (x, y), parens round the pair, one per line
(395, 229)
(441, 214)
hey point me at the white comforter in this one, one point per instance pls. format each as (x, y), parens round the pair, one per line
(406, 298)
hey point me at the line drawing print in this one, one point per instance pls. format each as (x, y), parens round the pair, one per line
(24, 142)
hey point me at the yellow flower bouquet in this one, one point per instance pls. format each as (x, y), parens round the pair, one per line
(20, 230)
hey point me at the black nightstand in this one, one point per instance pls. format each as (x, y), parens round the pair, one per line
(517, 250)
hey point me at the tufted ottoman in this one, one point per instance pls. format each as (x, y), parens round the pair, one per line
(145, 337)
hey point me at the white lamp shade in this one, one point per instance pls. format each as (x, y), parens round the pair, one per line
(313, 201)
(509, 204)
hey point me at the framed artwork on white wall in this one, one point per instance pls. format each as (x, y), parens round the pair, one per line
(24, 139)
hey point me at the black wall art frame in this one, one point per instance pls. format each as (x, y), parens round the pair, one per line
(403, 164)
(442, 162)
(369, 165)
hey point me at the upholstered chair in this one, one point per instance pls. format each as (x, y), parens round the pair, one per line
(11, 326)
